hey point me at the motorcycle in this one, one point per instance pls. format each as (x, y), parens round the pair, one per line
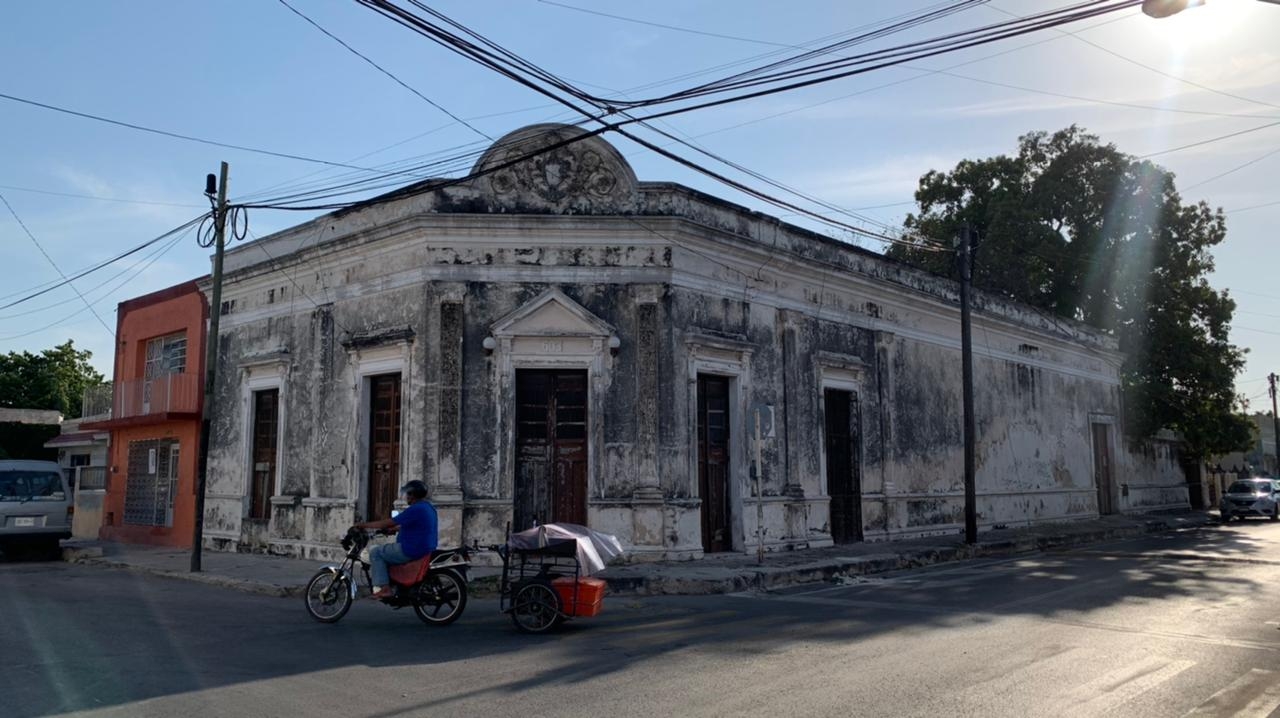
(435, 585)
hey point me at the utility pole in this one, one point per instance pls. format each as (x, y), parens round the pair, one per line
(210, 354)
(966, 354)
(1275, 419)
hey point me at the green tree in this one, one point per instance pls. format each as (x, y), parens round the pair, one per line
(1075, 227)
(53, 379)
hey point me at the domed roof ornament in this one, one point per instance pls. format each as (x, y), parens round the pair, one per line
(587, 176)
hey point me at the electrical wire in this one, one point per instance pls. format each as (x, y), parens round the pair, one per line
(175, 135)
(385, 71)
(105, 263)
(121, 285)
(1253, 207)
(696, 167)
(33, 190)
(1231, 171)
(54, 264)
(1208, 141)
(163, 248)
(495, 59)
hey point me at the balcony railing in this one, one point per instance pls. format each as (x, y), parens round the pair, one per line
(171, 393)
(97, 401)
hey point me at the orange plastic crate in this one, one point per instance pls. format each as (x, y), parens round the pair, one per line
(590, 595)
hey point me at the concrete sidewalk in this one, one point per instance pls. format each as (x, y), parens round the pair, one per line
(276, 576)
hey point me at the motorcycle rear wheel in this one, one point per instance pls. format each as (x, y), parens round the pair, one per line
(440, 599)
(328, 596)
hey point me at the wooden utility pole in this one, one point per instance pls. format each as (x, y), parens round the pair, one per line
(966, 363)
(210, 356)
(1275, 420)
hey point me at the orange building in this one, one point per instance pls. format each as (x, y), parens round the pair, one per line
(155, 417)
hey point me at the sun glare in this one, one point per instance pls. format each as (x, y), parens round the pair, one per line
(1206, 22)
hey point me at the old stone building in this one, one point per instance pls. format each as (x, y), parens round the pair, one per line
(559, 341)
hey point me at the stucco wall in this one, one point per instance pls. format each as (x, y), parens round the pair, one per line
(651, 284)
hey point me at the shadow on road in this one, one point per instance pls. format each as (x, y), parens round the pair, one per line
(81, 638)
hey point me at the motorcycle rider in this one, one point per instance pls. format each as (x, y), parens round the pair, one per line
(417, 535)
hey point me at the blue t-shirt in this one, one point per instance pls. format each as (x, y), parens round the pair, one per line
(419, 529)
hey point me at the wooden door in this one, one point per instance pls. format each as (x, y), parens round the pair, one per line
(713, 462)
(1102, 471)
(384, 445)
(266, 415)
(551, 447)
(843, 478)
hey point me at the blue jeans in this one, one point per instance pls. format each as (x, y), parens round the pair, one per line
(387, 554)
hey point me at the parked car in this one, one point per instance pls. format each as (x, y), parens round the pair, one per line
(35, 506)
(1251, 497)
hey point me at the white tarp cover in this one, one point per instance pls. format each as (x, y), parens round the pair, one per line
(595, 549)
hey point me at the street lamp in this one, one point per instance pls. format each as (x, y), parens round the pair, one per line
(1165, 8)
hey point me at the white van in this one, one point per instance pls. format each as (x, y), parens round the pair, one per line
(35, 506)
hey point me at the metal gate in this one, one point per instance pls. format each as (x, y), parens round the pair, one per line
(152, 482)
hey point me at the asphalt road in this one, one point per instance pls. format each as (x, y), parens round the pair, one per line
(1186, 624)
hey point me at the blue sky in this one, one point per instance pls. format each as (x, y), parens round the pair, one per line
(253, 73)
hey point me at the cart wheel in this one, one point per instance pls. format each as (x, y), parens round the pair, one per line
(536, 608)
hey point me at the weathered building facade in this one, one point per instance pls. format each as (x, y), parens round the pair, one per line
(149, 487)
(558, 341)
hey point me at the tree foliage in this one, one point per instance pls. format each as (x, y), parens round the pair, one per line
(1075, 227)
(53, 379)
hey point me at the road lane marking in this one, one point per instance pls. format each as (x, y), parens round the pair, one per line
(1110, 691)
(1253, 695)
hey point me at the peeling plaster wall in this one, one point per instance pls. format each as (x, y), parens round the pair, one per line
(445, 287)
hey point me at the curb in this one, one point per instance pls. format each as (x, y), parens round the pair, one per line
(261, 588)
(765, 578)
(720, 580)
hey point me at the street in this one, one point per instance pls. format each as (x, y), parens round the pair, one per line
(1172, 625)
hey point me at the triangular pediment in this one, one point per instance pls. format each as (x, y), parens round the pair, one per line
(552, 314)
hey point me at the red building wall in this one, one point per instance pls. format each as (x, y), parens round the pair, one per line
(181, 308)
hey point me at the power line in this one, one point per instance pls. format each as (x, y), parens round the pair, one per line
(1163, 73)
(1253, 207)
(97, 197)
(175, 135)
(1233, 170)
(385, 71)
(668, 27)
(412, 26)
(945, 71)
(89, 270)
(152, 259)
(96, 287)
(54, 264)
(1210, 140)
(526, 73)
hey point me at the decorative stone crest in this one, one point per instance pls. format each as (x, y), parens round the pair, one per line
(583, 176)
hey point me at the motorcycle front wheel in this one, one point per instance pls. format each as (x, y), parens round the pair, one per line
(328, 596)
(440, 599)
